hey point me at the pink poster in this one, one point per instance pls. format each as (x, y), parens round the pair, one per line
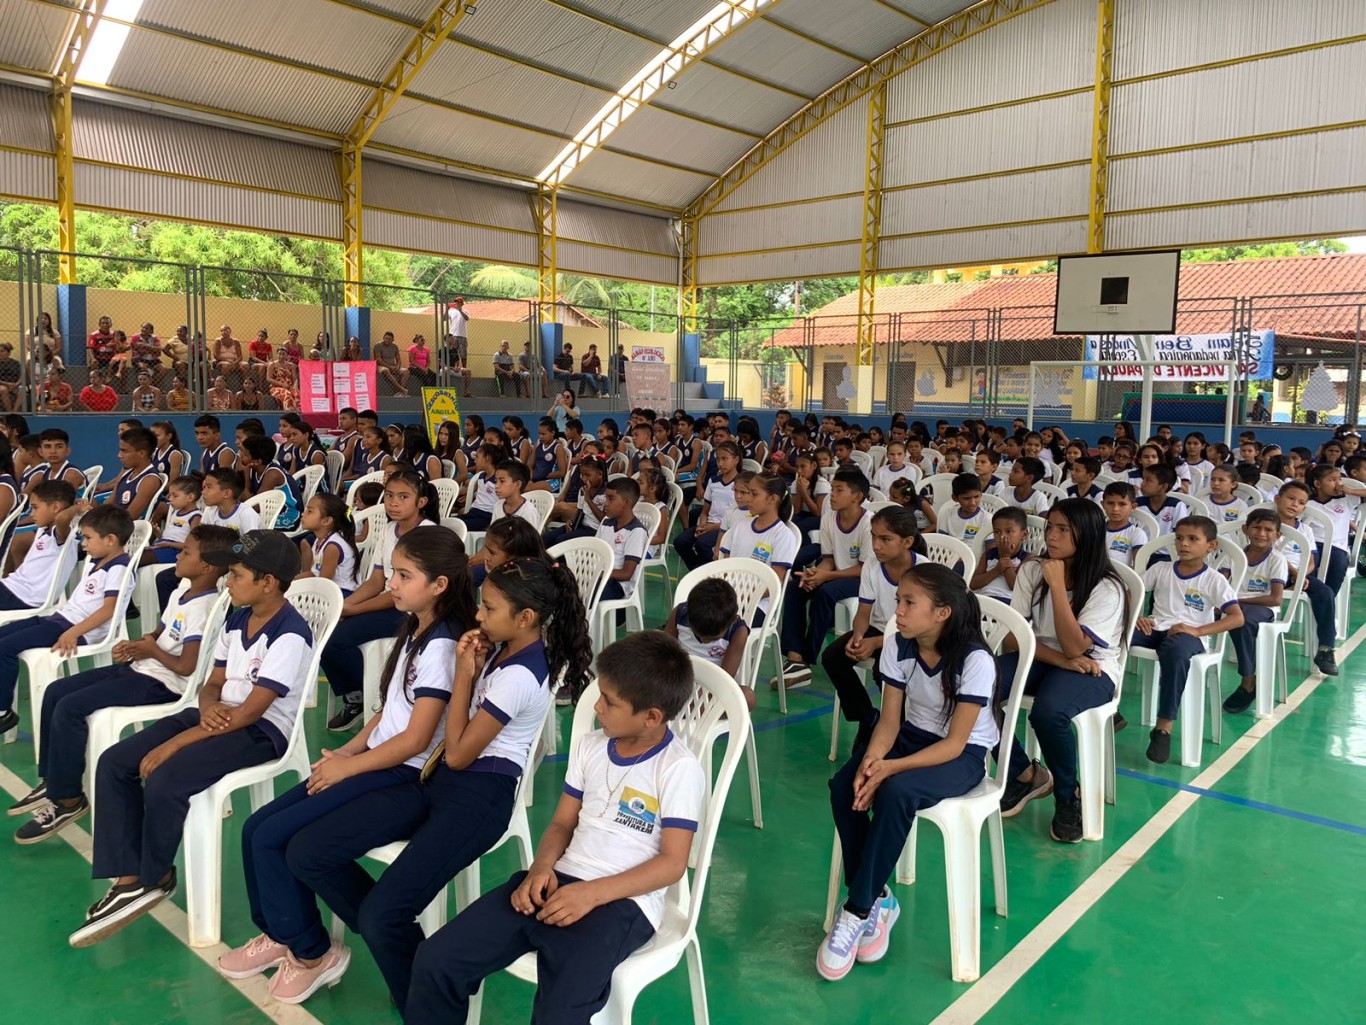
(325, 388)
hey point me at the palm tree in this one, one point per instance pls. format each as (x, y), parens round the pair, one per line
(522, 283)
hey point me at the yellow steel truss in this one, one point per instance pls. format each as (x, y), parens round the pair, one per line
(434, 31)
(545, 212)
(872, 225)
(83, 24)
(1100, 127)
(687, 273)
(934, 40)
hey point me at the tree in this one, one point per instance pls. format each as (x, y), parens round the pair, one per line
(1262, 250)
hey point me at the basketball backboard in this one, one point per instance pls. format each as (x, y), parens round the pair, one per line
(1117, 293)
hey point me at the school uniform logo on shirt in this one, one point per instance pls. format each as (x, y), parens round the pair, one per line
(253, 670)
(763, 552)
(970, 532)
(177, 626)
(1254, 585)
(1120, 545)
(855, 551)
(1195, 601)
(637, 810)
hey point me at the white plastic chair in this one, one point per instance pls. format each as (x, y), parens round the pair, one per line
(1343, 602)
(373, 520)
(1053, 491)
(1147, 521)
(456, 524)
(715, 698)
(863, 459)
(449, 469)
(1197, 506)
(940, 486)
(950, 552)
(1096, 729)
(310, 478)
(752, 465)
(447, 495)
(269, 504)
(319, 602)
(878, 453)
(92, 481)
(7, 526)
(752, 581)
(56, 586)
(376, 477)
(590, 560)
(334, 462)
(44, 666)
(1203, 678)
(960, 819)
(1272, 672)
(662, 563)
(544, 504)
(1250, 495)
(1268, 482)
(603, 622)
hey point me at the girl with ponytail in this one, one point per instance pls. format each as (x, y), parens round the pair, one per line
(765, 535)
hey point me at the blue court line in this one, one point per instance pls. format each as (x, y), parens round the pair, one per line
(1243, 802)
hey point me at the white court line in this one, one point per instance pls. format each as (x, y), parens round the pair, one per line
(977, 1002)
(177, 923)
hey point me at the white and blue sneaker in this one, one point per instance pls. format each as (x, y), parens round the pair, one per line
(839, 948)
(872, 945)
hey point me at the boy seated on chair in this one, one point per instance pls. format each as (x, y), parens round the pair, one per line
(221, 493)
(709, 626)
(1186, 594)
(152, 671)
(245, 715)
(995, 574)
(1024, 474)
(971, 519)
(84, 618)
(52, 510)
(626, 534)
(1268, 575)
(634, 795)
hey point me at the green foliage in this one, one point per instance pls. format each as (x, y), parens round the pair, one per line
(1259, 251)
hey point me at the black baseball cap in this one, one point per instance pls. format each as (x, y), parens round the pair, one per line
(266, 551)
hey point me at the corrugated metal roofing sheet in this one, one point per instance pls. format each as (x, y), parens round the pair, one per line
(789, 265)
(404, 231)
(451, 135)
(116, 135)
(711, 93)
(659, 19)
(651, 132)
(474, 78)
(616, 174)
(811, 224)
(1299, 217)
(769, 53)
(963, 248)
(588, 223)
(576, 258)
(32, 35)
(934, 11)
(1023, 197)
(414, 10)
(437, 195)
(555, 37)
(353, 42)
(25, 120)
(27, 176)
(868, 28)
(182, 70)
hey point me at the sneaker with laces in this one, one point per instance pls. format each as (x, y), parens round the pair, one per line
(1159, 746)
(1326, 662)
(840, 946)
(1066, 826)
(795, 674)
(260, 954)
(1239, 701)
(295, 982)
(1019, 793)
(872, 945)
(32, 801)
(48, 819)
(117, 908)
(9, 719)
(347, 717)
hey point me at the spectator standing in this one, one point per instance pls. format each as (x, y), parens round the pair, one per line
(97, 396)
(458, 327)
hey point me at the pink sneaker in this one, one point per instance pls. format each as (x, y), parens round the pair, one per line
(294, 983)
(259, 955)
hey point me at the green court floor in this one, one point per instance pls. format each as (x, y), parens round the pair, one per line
(1245, 907)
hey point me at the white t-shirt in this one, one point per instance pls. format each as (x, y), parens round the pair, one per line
(774, 546)
(1168, 514)
(102, 581)
(384, 558)
(997, 587)
(924, 699)
(277, 658)
(178, 527)
(1294, 557)
(965, 528)
(516, 692)
(344, 576)
(457, 322)
(592, 508)
(1230, 512)
(1273, 569)
(525, 511)
(1122, 543)
(722, 499)
(1192, 600)
(1102, 619)
(485, 496)
(713, 650)
(1094, 493)
(30, 582)
(628, 541)
(1340, 511)
(1037, 504)
(847, 547)
(426, 673)
(734, 515)
(241, 519)
(886, 476)
(627, 804)
(878, 591)
(183, 621)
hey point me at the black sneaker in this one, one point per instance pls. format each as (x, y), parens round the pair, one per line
(1159, 746)
(1119, 721)
(48, 820)
(1066, 826)
(1239, 701)
(1019, 793)
(120, 906)
(1326, 661)
(9, 719)
(33, 800)
(348, 716)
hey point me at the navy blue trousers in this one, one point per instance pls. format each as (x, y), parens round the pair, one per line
(140, 823)
(17, 638)
(282, 906)
(1059, 696)
(574, 963)
(1244, 639)
(809, 615)
(1322, 594)
(342, 662)
(855, 702)
(9, 603)
(872, 840)
(477, 519)
(696, 550)
(1174, 654)
(449, 822)
(63, 728)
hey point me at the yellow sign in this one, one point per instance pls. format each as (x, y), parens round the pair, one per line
(438, 406)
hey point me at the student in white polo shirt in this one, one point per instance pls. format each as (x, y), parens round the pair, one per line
(1268, 575)
(709, 626)
(626, 534)
(245, 714)
(53, 509)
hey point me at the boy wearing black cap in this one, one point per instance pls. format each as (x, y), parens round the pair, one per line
(246, 713)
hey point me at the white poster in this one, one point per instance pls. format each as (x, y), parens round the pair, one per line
(1185, 354)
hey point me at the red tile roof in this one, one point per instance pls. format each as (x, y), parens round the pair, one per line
(1299, 296)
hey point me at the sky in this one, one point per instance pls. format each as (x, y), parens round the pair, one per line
(1356, 244)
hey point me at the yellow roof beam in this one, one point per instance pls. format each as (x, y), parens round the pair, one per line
(83, 24)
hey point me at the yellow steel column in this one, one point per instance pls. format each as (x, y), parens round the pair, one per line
(1100, 127)
(353, 256)
(872, 225)
(78, 37)
(687, 273)
(544, 209)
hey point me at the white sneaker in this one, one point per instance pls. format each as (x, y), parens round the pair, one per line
(872, 945)
(839, 948)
